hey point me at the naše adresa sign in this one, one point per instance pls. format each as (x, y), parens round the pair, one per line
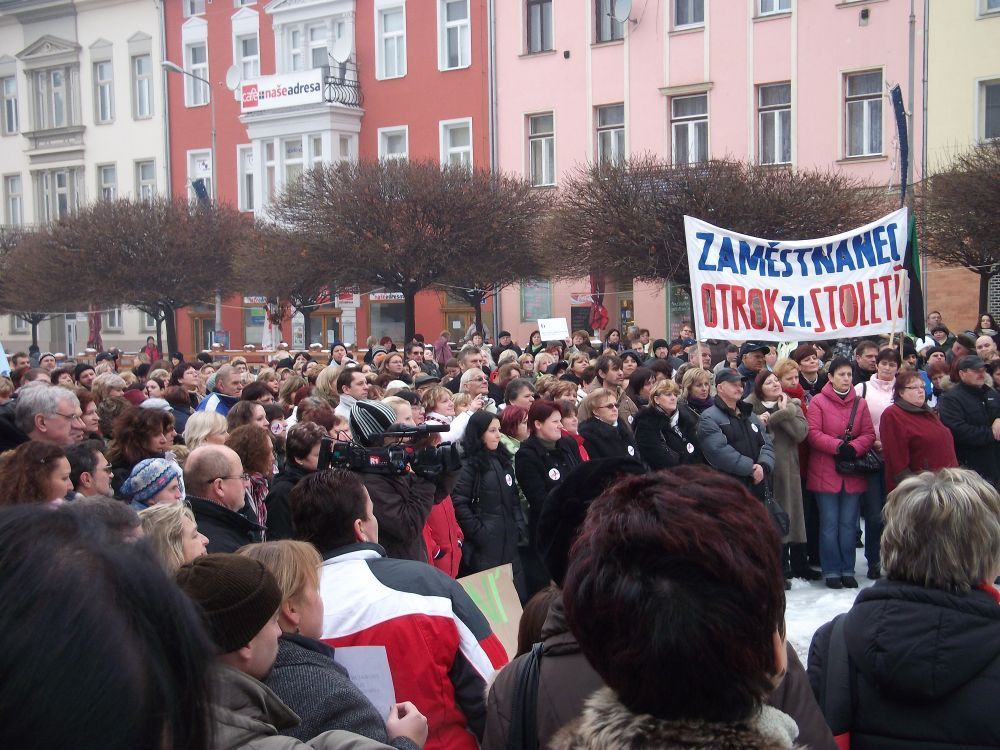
(289, 90)
(844, 286)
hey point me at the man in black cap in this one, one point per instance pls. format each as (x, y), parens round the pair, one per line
(751, 363)
(733, 439)
(971, 410)
(238, 599)
(504, 342)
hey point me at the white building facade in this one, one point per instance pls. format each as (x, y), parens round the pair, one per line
(84, 119)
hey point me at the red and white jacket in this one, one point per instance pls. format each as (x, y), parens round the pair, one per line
(440, 647)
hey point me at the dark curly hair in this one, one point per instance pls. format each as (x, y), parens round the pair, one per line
(25, 470)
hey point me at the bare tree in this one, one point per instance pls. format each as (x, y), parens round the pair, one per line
(288, 270)
(627, 219)
(957, 214)
(158, 256)
(32, 287)
(403, 226)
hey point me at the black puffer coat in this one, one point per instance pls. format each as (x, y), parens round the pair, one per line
(540, 470)
(488, 508)
(660, 445)
(604, 441)
(279, 512)
(927, 665)
(969, 413)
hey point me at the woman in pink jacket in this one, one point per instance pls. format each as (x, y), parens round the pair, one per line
(838, 495)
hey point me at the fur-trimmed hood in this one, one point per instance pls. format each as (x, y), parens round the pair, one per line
(608, 725)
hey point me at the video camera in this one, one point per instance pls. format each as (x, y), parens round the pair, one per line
(393, 459)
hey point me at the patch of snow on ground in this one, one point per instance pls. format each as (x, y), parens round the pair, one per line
(811, 604)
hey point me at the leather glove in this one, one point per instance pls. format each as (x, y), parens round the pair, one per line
(846, 452)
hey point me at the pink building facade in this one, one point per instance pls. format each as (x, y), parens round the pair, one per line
(785, 82)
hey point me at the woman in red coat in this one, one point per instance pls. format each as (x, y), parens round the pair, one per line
(838, 494)
(913, 438)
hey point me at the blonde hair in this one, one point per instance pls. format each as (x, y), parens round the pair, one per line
(395, 403)
(664, 387)
(461, 401)
(266, 375)
(295, 565)
(543, 383)
(942, 531)
(201, 425)
(159, 374)
(129, 377)
(326, 384)
(784, 366)
(561, 389)
(432, 396)
(542, 357)
(598, 394)
(507, 355)
(163, 528)
(692, 377)
(104, 383)
(102, 367)
(6, 386)
(577, 357)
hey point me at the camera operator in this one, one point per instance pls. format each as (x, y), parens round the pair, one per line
(401, 501)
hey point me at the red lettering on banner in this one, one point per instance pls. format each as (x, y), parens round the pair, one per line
(738, 300)
(758, 315)
(843, 304)
(873, 294)
(708, 305)
(820, 326)
(830, 292)
(862, 304)
(770, 298)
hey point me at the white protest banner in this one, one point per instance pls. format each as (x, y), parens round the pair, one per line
(835, 287)
(494, 593)
(368, 667)
(553, 329)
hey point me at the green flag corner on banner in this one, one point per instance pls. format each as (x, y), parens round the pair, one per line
(915, 298)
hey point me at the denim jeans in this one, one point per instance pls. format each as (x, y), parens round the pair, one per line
(838, 518)
(872, 500)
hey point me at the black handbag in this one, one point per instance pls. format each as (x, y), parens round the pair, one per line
(871, 462)
(777, 513)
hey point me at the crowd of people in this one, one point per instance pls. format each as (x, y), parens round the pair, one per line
(654, 499)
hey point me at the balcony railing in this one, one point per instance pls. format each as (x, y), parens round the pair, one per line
(341, 85)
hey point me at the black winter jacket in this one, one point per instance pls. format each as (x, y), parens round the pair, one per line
(661, 447)
(402, 503)
(10, 435)
(226, 530)
(279, 512)
(604, 441)
(488, 508)
(927, 668)
(969, 412)
(540, 470)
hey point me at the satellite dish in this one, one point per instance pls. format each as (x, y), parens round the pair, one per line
(341, 51)
(621, 9)
(233, 77)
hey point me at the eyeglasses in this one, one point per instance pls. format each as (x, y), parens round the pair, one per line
(244, 477)
(608, 406)
(70, 417)
(479, 380)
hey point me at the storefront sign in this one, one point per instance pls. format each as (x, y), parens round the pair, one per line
(288, 90)
(386, 296)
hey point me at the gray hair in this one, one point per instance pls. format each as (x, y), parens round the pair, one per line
(472, 372)
(40, 398)
(942, 531)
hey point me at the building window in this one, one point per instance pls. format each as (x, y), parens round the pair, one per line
(318, 55)
(611, 134)
(393, 143)
(240, 3)
(113, 319)
(13, 200)
(774, 105)
(292, 154)
(689, 13)
(767, 7)
(104, 100)
(249, 51)
(391, 44)
(295, 50)
(200, 168)
(536, 300)
(454, 34)
(145, 180)
(456, 143)
(315, 151)
(9, 91)
(55, 104)
(864, 114)
(58, 193)
(989, 6)
(542, 149)
(608, 29)
(196, 92)
(689, 125)
(148, 322)
(270, 171)
(346, 148)
(194, 7)
(539, 22)
(18, 324)
(244, 161)
(142, 87)
(107, 182)
(989, 97)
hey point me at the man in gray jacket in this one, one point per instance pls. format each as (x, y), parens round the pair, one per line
(732, 438)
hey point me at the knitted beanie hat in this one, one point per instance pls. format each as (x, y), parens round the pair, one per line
(368, 418)
(236, 595)
(148, 477)
(210, 383)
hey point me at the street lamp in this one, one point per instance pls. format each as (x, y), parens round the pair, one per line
(171, 67)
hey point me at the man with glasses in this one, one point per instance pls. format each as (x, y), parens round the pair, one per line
(89, 470)
(48, 413)
(471, 358)
(216, 491)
